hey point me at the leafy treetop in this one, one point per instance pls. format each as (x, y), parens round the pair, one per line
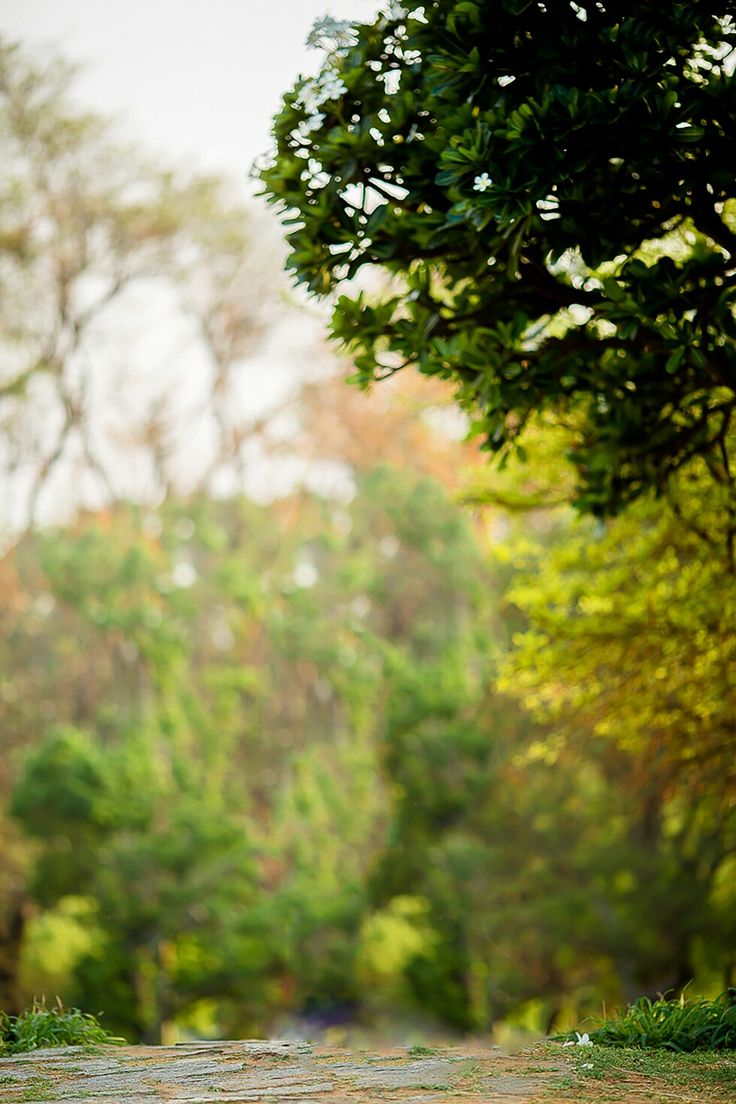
(550, 188)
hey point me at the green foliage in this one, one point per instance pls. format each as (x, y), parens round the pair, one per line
(293, 784)
(682, 1025)
(549, 190)
(57, 1026)
(627, 660)
(205, 764)
(166, 869)
(324, 759)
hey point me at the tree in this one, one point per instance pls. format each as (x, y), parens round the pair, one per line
(166, 861)
(290, 713)
(98, 244)
(193, 702)
(549, 190)
(628, 658)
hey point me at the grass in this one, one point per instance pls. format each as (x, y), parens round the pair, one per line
(680, 1025)
(39, 1026)
(601, 1074)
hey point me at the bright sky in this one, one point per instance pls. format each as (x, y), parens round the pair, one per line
(189, 77)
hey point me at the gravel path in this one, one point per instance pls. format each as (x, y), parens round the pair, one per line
(275, 1072)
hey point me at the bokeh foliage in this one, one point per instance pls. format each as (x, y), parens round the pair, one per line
(359, 754)
(347, 765)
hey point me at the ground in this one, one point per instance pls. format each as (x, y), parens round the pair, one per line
(299, 1073)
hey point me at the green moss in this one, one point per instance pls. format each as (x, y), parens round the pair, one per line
(604, 1073)
(38, 1088)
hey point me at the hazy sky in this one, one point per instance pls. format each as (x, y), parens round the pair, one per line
(189, 77)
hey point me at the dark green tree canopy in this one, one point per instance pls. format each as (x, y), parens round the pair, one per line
(550, 187)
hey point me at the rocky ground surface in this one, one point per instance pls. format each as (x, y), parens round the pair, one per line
(298, 1073)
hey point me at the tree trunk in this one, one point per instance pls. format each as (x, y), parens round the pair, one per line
(12, 928)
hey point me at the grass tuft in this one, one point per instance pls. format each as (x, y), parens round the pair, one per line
(39, 1026)
(679, 1025)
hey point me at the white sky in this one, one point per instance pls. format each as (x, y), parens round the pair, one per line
(194, 78)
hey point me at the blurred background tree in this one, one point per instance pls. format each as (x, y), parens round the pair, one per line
(92, 232)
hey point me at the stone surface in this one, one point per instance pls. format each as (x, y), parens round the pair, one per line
(270, 1073)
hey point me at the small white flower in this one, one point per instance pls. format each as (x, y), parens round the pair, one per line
(329, 85)
(332, 34)
(587, 1065)
(263, 163)
(306, 126)
(394, 10)
(307, 95)
(482, 183)
(580, 1040)
(391, 81)
(332, 90)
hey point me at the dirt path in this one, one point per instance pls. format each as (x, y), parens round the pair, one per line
(297, 1073)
